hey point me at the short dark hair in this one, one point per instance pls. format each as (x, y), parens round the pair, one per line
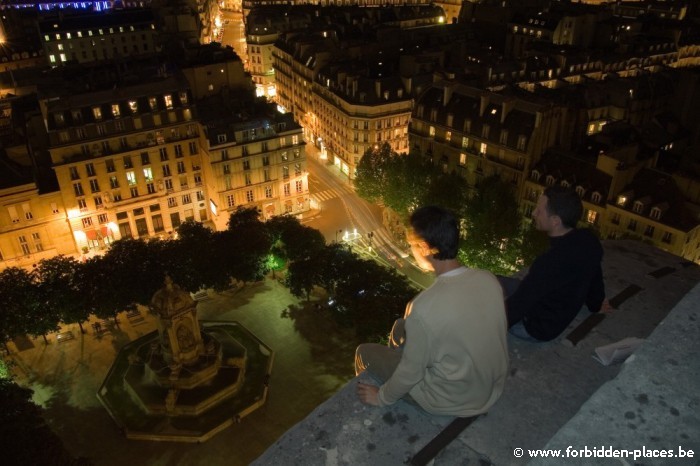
(564, 203)
(438, 227)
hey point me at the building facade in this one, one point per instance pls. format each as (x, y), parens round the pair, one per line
(128, 160)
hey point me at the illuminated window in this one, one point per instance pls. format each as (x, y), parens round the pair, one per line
(462, 158)
(133, 106)
(115, 110)
(591, 216)
(97, 113)
(448, 136)
(431, 131)
(183, 98)
(168, 101)
(153, 103)
(148, 174)
(131, 178)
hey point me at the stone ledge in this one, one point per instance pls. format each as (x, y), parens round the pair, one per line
(548, 385)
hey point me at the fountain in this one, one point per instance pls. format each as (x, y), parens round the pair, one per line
(166, 384)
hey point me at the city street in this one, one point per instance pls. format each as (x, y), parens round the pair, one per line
(346, 217)
(234, 33)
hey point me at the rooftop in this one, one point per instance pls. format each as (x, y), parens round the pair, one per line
(557, 395)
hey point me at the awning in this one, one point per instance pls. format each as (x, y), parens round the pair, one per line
(91, 234)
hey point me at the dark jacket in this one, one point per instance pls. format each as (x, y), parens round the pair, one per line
(557, 285)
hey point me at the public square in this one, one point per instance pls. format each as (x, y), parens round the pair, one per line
(313, 359)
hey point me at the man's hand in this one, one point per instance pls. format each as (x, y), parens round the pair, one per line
(606, 307)
(368, 394)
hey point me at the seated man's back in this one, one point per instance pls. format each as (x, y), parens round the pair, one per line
(562, 279)
(558, 284)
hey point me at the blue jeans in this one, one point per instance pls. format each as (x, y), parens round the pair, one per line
(518, 329)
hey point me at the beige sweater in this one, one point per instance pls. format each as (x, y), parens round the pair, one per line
(455, 359)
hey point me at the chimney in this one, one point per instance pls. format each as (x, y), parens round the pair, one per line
(506, 106)
(484, 104)
(378, 88)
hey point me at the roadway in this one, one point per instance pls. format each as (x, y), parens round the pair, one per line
(346, 217)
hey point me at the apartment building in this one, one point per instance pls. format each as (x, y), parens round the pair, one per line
(89, 37)
(128, 158)
(353, 110)
(623, 201)
(256, 158)
(32, 222)
(478, 133)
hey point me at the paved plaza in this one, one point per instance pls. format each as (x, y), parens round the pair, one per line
(312, 360)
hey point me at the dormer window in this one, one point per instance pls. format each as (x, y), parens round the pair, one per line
(638, 207)
(168, 101)
(467, 126)
(596, 197)
(565, 184)
(550, 180)
(115, 110)
(133, 106)
(522, 140)
(97, 113)
(153, 103)
(536, 175)
(183, 98)
(580, 191)
(655, 213)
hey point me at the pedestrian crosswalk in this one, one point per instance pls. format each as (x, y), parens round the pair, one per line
(325, 195)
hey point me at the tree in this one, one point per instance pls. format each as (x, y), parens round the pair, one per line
(372, 172)
(23, 307)
(25, 438)
(246, 244)
(492, 228)
(12, 315)
(448, 190)
(193, 259)
(293, 241)
(60, 291)
(302, 276)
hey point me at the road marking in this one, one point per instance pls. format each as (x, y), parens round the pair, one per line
(325, 195)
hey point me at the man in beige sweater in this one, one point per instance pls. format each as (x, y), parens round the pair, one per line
(449, 353)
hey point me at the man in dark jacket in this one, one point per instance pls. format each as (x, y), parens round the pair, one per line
(561, 280)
